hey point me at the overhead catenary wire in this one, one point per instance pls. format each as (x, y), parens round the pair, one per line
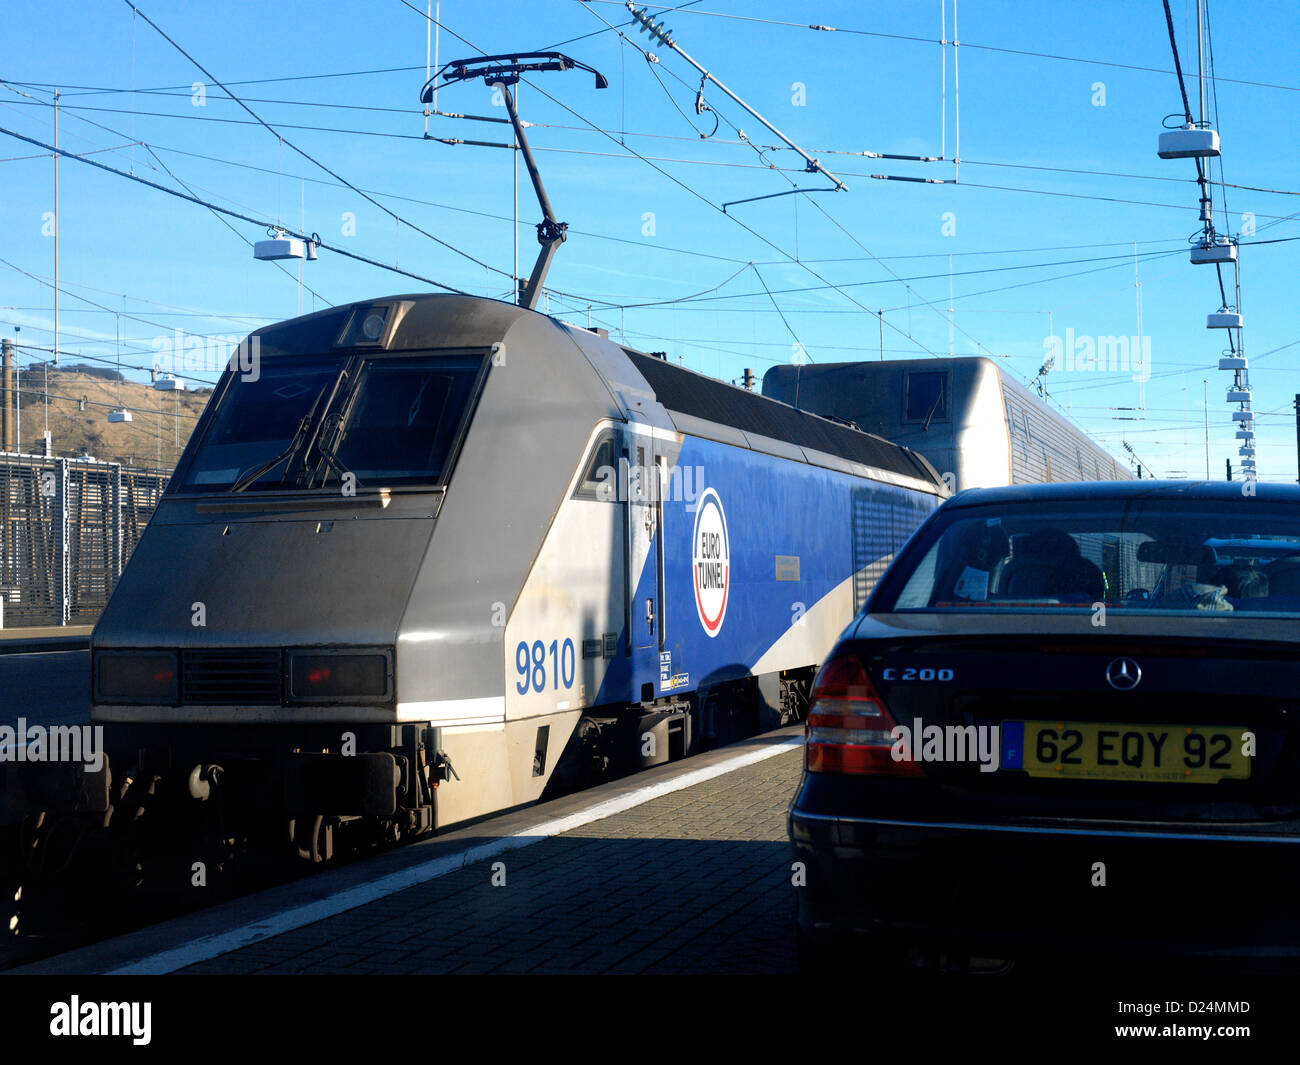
(232, 229)
(835, 276)
(90, 402)
(232, 214)
(894, 278)
(659, 247)
(852, 31)
(226, 161)
(623, 132)
(663, 37)
(847, 30)
(859, 243)
(310, 158)
(677, 181)
(801, 349)
(99, 306)
(750, 166)
(811, 165)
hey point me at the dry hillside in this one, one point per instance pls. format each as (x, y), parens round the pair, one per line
(160, 424)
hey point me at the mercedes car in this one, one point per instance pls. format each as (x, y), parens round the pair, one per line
(1065, 722)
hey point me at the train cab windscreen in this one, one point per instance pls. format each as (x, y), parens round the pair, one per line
(405, 418)
(309, 421)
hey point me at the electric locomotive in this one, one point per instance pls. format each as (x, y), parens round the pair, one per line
(430, 557)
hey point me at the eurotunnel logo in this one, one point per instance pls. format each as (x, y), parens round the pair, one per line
(711, 555)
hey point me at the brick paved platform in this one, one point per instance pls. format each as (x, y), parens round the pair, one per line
(697, 881)
(680, 868)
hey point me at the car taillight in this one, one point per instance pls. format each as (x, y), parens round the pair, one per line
(849, 729)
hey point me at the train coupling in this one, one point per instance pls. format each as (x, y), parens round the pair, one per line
(441, 769)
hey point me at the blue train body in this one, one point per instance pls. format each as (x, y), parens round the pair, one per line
(789, 547)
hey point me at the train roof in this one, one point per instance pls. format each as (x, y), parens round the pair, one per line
(1126, 492)
(699, 396)
(872, 392)
(422, 320)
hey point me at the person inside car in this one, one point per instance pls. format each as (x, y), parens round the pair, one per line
(1047, 564)
(1180, 590)
(1242, 580)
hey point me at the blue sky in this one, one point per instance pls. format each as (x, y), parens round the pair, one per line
(1041, 226)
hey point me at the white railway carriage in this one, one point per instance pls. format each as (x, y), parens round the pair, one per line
(966, 415)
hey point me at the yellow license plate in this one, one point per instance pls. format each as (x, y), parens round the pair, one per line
(1200, 754)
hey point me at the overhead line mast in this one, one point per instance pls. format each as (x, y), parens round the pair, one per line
(1199, 141)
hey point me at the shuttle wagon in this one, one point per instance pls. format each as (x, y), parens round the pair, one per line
(966, 415)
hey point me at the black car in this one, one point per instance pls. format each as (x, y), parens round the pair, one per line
(1067, 721)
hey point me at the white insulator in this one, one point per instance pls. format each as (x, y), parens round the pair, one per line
(1214, 253)
(280, 248)
(1188, 143)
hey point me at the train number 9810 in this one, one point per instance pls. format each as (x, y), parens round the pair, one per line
(531, 660)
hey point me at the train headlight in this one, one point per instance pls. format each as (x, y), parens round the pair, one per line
(135, 677)
(334, 676)
(366, 326)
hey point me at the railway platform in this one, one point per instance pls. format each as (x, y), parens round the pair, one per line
(44, 638)
(684, 868)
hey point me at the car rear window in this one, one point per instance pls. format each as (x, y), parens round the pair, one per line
(1146, 555)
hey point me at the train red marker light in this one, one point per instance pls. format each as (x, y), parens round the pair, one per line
(326, 675)
(130, 676)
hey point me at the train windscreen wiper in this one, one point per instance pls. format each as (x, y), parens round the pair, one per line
(257, 472)
(327, 441)
(933, 407)
(299, 438)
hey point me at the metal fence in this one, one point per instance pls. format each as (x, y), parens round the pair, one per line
(67, 526)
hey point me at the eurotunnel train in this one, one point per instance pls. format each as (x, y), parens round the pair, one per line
(436, 556)
(965, 414)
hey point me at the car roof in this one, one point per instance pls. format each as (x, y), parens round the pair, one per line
(1125, 492)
